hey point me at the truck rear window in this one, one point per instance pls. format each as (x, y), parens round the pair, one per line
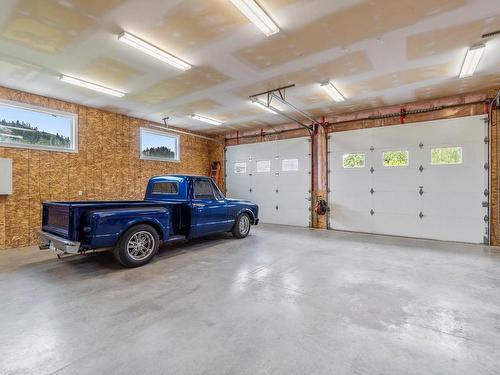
(166, 188)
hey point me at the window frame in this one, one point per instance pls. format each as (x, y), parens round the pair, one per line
(396, 166)
(447, 164)
(165, 182)
(210, 182)
(354, 153)
(164, 134)
(48, 111)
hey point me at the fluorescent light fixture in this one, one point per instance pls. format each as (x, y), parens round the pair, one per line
(333, 92)
(90, 85)
(206, 119)
(151, 50)
(257, 16)
(471, 61)
(263, 106)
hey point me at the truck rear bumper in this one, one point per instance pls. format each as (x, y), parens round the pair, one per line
(51, 241)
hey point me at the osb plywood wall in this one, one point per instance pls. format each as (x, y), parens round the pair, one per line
(107, 166)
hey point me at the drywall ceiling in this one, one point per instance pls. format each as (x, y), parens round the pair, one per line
(378, 52)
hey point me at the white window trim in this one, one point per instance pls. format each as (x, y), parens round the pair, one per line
(354, 153)
(396, 166)
(163, 133)
(48, 111)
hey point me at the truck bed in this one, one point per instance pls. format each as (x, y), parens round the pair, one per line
(64, 218)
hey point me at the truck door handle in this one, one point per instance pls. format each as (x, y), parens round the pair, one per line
(198, 205)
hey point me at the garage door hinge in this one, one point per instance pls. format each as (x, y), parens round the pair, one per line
(372, 170)
(328, 191)
(372, 212)
(276, 173)
(277, 190)
(486, 166)
(421, 168)
(484, 204)
(421, 215)
(486, 140)
(485, 120)
(420, 145)
(249, 174)
(421, 190)
(372, 148)
(485, 240)
(486, 218)
(276, 206)
(372, 191)
(486, 192)
(250, 190)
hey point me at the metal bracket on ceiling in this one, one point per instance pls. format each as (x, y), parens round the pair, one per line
(165, 121)
(279, 94)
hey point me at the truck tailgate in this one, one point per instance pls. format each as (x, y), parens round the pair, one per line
(56, 219)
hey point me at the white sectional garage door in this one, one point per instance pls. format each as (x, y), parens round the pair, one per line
(425, 180)
(276, 176)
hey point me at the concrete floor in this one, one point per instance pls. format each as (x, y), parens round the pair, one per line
(282, 301)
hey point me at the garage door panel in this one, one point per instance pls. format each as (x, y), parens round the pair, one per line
(451, 194)
(454, 204)
(351, 141)
(397, 202)
(445, 229)
(396, 179)
(352, 200)
(352, 180)
(351, 220)
(269, 184)
(407, 225)
(452, 179)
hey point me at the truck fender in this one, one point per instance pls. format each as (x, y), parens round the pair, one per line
(246, 211)
(148, 221)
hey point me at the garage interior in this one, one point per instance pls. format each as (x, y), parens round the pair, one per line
(366, 132)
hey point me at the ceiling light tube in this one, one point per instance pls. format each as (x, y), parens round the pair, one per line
(333, 92)
(206, 119)
(471, 60)
(257, 16)
(263, 106)
(153, 51)
(91, 86)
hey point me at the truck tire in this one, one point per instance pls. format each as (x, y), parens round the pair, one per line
(137, 246)
(241, 226)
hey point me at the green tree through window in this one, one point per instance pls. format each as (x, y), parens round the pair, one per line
(353, 160)
(396, 158)
(446, 155)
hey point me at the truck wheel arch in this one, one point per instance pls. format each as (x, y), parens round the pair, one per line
(157, 227)
(246, 211)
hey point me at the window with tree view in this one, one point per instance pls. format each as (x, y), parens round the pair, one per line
(353, 160)
(27, 126)
(397, 158)
(446, 155)
(157, 145)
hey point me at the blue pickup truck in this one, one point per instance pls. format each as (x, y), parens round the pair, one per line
(176, 207)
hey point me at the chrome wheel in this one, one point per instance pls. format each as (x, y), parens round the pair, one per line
(244, 224)
(140, 245)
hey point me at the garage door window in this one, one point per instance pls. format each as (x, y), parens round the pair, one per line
(240, 168)
(263, 166)
(27, 126)
(396, 158)
(446, 155)
(353, 161)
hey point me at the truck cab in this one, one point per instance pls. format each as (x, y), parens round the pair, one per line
(175, 207)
